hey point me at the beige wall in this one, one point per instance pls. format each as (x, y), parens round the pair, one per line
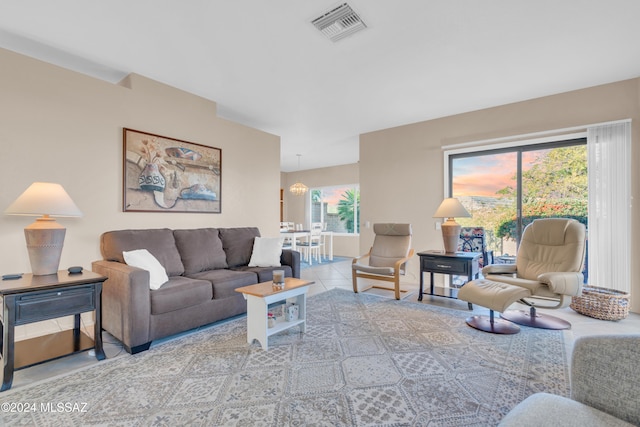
(294, 206)
(64, 127)
(402, 171)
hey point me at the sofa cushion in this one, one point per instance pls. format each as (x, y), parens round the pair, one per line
(224, 282)
(265, 274)
(200, 249)
(178, 293)
(238, 244)
(160, 242)
(266, 252)
(143, 259)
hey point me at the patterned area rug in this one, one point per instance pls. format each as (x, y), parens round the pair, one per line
(364, 361)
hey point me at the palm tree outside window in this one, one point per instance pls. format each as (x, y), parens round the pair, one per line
(338, 207)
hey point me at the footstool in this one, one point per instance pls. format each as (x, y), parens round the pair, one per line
(495, 296)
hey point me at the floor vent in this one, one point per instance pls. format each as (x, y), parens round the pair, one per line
(339, 23)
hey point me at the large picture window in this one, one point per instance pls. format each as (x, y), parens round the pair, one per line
(506, 189)
(337, 207)
(562, 172)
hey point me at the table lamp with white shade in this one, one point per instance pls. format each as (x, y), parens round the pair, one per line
(449, 209)
(45, 237)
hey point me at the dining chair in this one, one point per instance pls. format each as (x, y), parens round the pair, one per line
(310, 245)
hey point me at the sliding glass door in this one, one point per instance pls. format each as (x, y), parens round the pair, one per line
(506, 189)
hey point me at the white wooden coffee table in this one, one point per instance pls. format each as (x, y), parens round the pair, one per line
(259, 297)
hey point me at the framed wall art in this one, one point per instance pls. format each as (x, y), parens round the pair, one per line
(164, 174)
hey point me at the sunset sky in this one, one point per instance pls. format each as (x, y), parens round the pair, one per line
(332, 195)
(485, 175)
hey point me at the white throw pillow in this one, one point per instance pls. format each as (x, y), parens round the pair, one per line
(142, 258)
(266, 252)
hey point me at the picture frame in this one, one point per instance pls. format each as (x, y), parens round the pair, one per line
(162, 174)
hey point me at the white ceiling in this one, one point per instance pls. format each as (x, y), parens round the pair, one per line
(268, 67)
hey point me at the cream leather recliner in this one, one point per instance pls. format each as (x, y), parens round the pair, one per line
(548, 267)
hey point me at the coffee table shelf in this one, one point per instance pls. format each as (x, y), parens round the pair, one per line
(258, 299)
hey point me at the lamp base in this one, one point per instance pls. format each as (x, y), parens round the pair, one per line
(45, 239)
(450, 235)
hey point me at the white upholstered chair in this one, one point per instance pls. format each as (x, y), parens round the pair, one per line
(387, 258)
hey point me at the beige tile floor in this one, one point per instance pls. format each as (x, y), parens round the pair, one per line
(338, 275)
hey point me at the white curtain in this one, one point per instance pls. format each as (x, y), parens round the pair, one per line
(609, 163)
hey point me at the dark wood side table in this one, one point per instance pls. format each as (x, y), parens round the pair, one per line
(35, 298)
(458, 263)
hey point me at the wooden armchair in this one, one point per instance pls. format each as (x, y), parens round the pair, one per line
(386, 259)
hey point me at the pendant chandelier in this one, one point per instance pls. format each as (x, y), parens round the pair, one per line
(298, 189)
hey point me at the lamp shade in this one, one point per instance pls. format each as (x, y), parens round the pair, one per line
(44, 198)
(45, 237)
(451, 208)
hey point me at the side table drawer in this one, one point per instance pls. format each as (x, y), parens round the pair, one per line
(438, 265)
(56, 303)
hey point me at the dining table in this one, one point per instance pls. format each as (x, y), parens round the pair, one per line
(297, 234)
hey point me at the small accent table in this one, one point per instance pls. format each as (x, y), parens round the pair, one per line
(258, 299)
(35, 298)
(458, 263)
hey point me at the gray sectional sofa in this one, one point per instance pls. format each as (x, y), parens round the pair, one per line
(204, 267)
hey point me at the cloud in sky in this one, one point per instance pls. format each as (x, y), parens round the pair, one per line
(484, 175)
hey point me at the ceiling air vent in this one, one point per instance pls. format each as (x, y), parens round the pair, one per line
(339, 22)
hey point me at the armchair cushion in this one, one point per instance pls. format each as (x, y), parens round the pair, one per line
(385, 271)
(551, 244)
(532, 285)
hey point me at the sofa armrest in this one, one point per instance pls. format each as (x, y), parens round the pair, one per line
(563, 283)
(605, 374)
(126, 302)
(292, 259)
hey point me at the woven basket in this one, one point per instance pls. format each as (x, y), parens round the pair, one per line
(601, 303)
